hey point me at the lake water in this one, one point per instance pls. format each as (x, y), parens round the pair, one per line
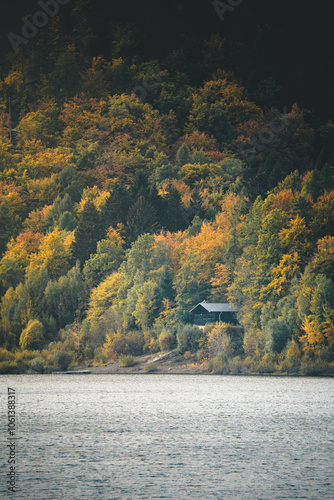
(128, 437)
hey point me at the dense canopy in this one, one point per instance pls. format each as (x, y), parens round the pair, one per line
(136, 184)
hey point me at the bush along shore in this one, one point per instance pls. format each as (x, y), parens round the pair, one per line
(216, 349)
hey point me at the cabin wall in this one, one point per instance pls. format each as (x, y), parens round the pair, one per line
(203, 319)
(225, 317)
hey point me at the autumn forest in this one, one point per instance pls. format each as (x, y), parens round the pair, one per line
(136, 182)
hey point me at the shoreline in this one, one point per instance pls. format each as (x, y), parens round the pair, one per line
(173, 363)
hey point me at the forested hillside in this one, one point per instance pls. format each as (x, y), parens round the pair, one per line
(133, 187)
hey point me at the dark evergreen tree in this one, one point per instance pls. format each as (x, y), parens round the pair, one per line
(10, 226)
(116, 209)
(88, 232)
(70, 183)
(173, 215)
(142, 218)
(165, 284)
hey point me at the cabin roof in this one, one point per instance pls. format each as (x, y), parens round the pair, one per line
(215, 307)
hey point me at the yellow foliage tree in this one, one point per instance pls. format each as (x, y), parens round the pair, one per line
(281, 200)
(103, 296)
(11, 194)
(296, 237)
(194, 173)
(293, 352)
(323, 260)
(54, 253)
(16, 258)
(41, 192)
(81, 117)
(43, 163)
(94, 195)
(219, 282)
(283, 274)
(254, 343)
(328, 326)
(313, 339)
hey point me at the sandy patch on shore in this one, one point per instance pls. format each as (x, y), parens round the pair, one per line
(171, 362)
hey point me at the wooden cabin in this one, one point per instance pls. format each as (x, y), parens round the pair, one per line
(207, 312)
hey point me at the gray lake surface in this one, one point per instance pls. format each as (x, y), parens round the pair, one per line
(128, 437)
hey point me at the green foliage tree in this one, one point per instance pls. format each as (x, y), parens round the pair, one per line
(219, 108)
(32, 336)
(62, 206)
(42, 125)
(104, 262)
(63, 298)
(182, 155)
(70, 183)
(147, 304)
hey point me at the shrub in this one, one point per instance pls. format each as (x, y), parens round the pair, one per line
(116, 343)
(99, 357)
(220, 364)
(8, 367)
(267, 364)
(236, 365)
(151, 342)
(219, 341)
(127, 361)
(151, 367)
(236, 334)
(62, 360)
(120, 343)
(27, 355)
(6, 355)
(201, 355)
(32, 336)
(209, 365)
(188, 338)
(37, 365)
(291, 361)
(293, 352)
(166, 340)
(314, 368)
(135, 341)
(278, 335)
(22, 365)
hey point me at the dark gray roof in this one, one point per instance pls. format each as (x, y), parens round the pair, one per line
(216, 307)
